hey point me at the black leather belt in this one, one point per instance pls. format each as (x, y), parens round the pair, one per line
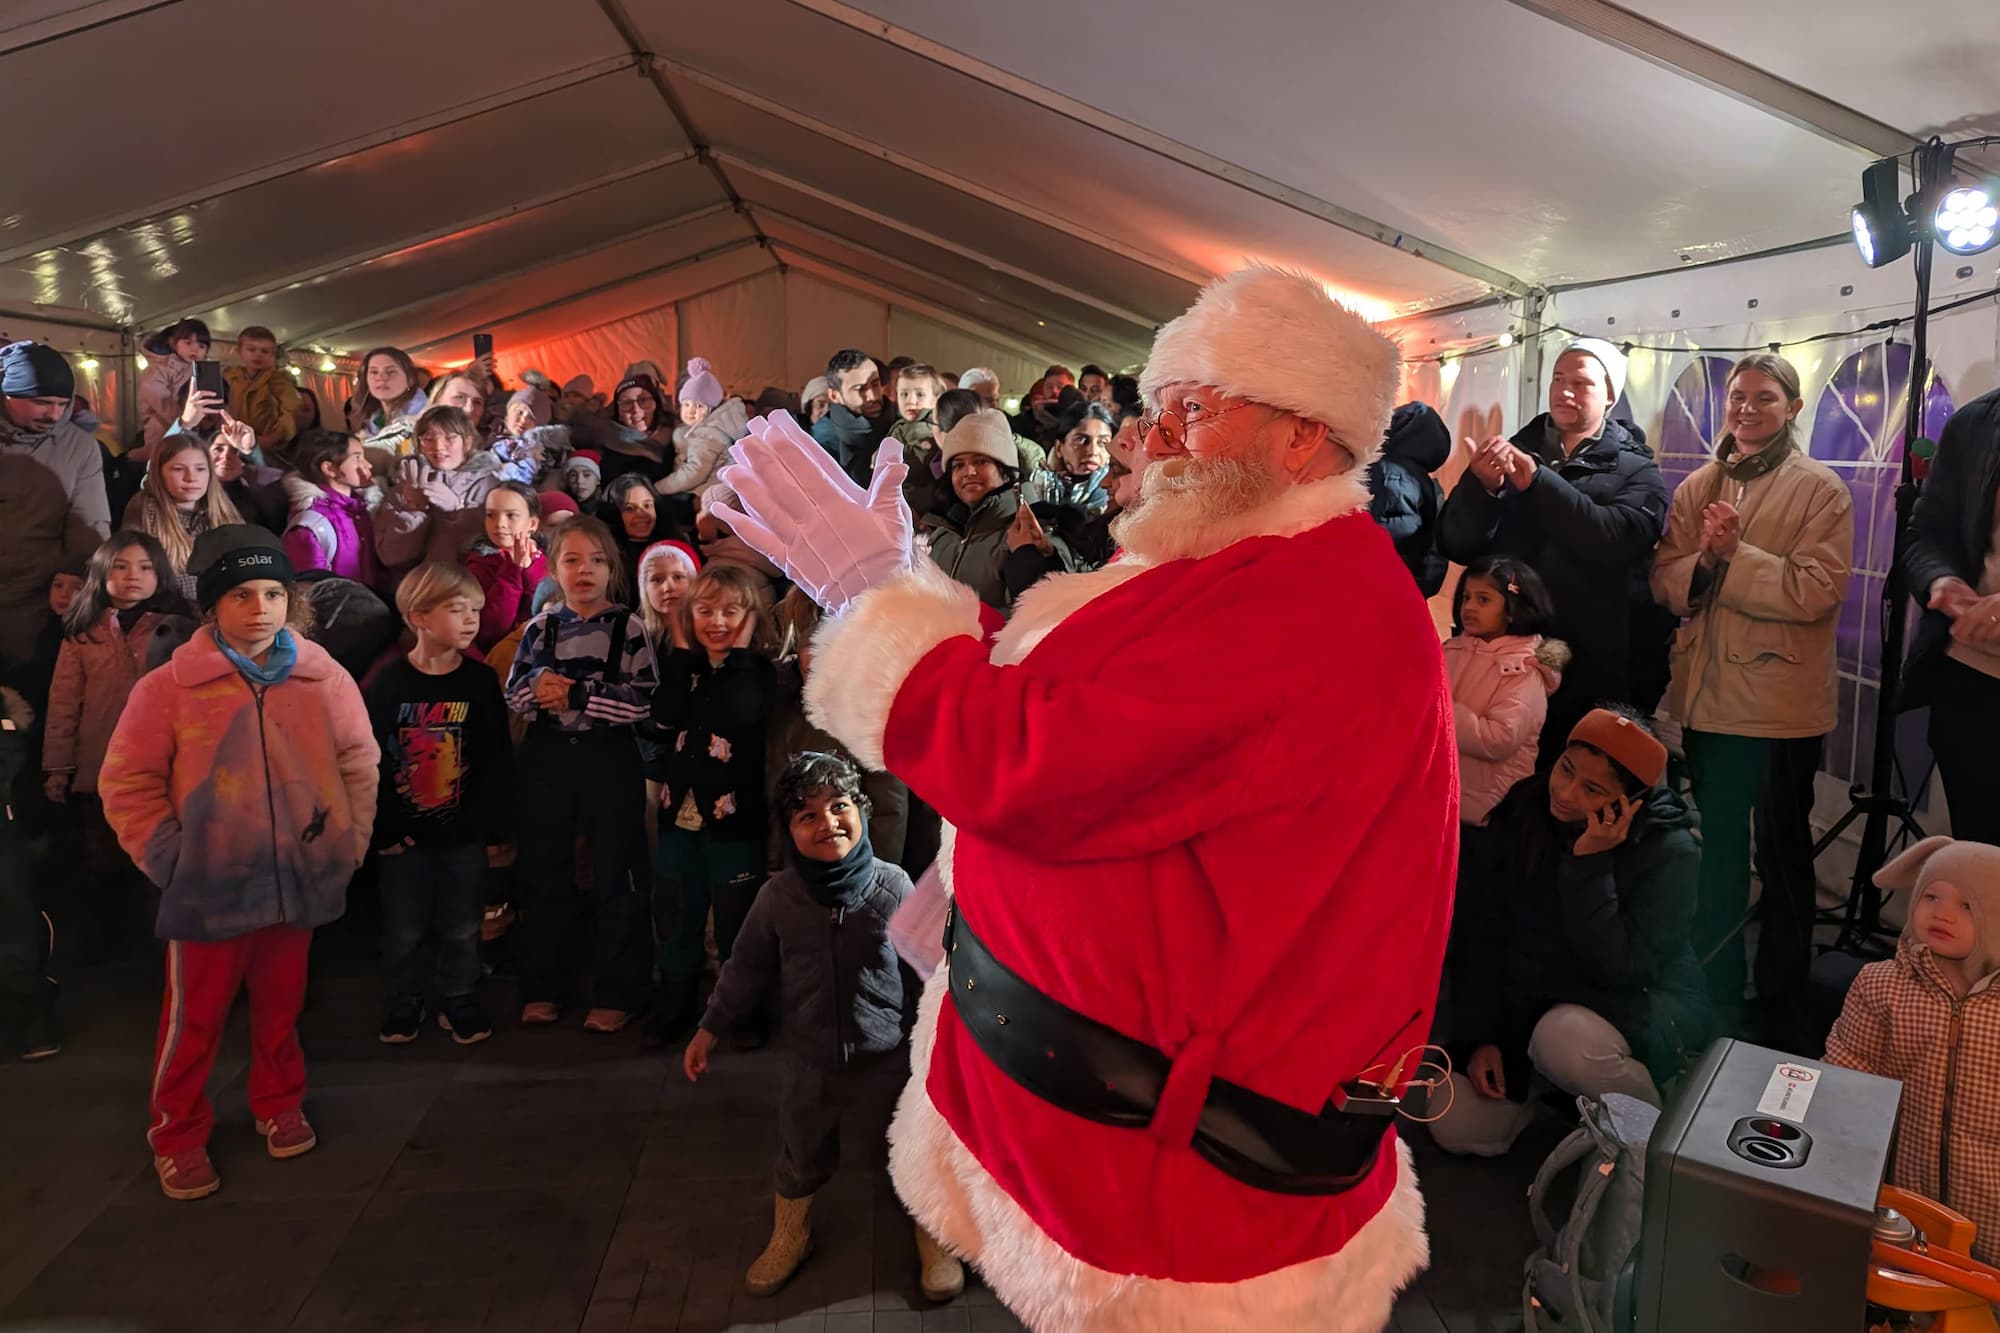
(1090, 1070)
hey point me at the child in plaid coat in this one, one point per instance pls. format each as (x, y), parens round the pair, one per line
(1931, 1018)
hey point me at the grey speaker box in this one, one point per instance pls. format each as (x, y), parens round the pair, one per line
(1761, 1180)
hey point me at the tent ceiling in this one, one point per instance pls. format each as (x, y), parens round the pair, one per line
(536, 180)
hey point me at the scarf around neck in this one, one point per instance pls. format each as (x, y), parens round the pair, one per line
(836, 883)
(278, 663)
(1742, 469)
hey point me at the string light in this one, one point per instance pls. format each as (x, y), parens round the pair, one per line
(88, 364)
(326, 366)
(295, 371)
(142, 362)
(1505, 340)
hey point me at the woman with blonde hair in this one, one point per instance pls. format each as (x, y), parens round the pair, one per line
(1757, 556)
(180, 499)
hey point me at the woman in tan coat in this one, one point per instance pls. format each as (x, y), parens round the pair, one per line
(1758, 551)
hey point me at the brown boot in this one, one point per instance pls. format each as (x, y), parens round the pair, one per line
(941, 1276)
(791, 1242)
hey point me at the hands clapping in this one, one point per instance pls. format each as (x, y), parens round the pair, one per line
(1498, 463)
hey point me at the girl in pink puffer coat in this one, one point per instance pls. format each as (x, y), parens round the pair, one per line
(1502, 674)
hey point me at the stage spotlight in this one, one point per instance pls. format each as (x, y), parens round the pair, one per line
(1881, 230)
(1966, 221)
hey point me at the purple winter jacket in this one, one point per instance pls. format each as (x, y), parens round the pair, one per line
(331, 532)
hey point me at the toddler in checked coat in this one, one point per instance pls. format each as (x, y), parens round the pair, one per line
(1930, 1017)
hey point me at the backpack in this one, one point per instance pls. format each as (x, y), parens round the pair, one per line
(1579, 1279)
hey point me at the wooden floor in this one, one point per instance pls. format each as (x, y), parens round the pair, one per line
(545, 1180)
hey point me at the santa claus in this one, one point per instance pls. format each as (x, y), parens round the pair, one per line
(1201, 828)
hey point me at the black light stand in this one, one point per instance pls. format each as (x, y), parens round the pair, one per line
(1876, 801)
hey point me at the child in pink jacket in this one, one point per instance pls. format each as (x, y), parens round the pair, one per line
(241, 778)
(1930, 1018)
(1502, 674)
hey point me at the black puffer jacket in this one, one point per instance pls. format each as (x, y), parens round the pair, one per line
(1951, 530)
(1539, 926)
(840, 984)
(1405, 497)
(1585, 524)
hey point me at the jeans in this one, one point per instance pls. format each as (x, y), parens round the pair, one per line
(1965, 737)
(1574, 1049)
(699, 872)
(433, 888)
(1737, 778)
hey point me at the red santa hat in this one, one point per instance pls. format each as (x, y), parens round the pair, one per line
(1276, 337)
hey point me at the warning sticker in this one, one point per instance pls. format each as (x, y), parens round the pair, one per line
(1789, 1092)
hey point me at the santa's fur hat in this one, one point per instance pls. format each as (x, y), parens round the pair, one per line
(1276, 337)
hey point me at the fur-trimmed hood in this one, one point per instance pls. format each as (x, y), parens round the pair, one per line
(1276, 337)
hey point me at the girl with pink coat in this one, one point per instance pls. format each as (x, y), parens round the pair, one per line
(1502, 674)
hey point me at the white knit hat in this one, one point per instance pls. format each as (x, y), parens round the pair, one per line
(984, 432)
(1276, 337)
(977, 376)
(1607, 356)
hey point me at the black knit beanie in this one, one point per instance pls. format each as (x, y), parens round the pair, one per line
(235, 553)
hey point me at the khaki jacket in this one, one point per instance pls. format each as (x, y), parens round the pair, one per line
(1756, 656)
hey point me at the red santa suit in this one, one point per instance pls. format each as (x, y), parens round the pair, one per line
(1204, 796)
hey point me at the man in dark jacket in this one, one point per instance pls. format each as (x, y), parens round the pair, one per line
(858, 415)
(1405, 497)
(1951, 562)
(1578, 497)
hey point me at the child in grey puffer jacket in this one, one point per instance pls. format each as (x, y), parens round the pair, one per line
(819, 930)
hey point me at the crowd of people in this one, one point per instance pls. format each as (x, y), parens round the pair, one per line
(501, 644)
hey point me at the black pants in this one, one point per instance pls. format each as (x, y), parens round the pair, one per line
(1965, 737)
(585, 784)
(810, 1103)
(1741, 782)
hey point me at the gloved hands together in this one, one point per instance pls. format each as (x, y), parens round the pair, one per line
(806, 516)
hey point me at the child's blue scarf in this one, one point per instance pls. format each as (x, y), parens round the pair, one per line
(278, 663)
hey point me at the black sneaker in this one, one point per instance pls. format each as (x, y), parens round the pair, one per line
(465, 1020)
(406, 1017)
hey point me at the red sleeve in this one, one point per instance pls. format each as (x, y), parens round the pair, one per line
(507, 590)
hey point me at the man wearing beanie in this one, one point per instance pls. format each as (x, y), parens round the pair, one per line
(241, 780)
(52, 499)
(1577, 496)
(1155, 1077)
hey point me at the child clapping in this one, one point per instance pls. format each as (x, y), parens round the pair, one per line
(819, 933)
(1930, 1017)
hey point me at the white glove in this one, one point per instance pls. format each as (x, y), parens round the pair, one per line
(806, 516)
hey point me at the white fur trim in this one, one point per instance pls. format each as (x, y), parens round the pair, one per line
(860, 658)
(1052, 601)
(1276, 337)
(1298, 509)
(953, 1197)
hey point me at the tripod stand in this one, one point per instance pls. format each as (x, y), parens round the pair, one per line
(1876, 802)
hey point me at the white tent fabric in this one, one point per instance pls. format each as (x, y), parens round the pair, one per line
(578, 162)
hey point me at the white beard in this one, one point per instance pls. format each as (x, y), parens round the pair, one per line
(1180, 496)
